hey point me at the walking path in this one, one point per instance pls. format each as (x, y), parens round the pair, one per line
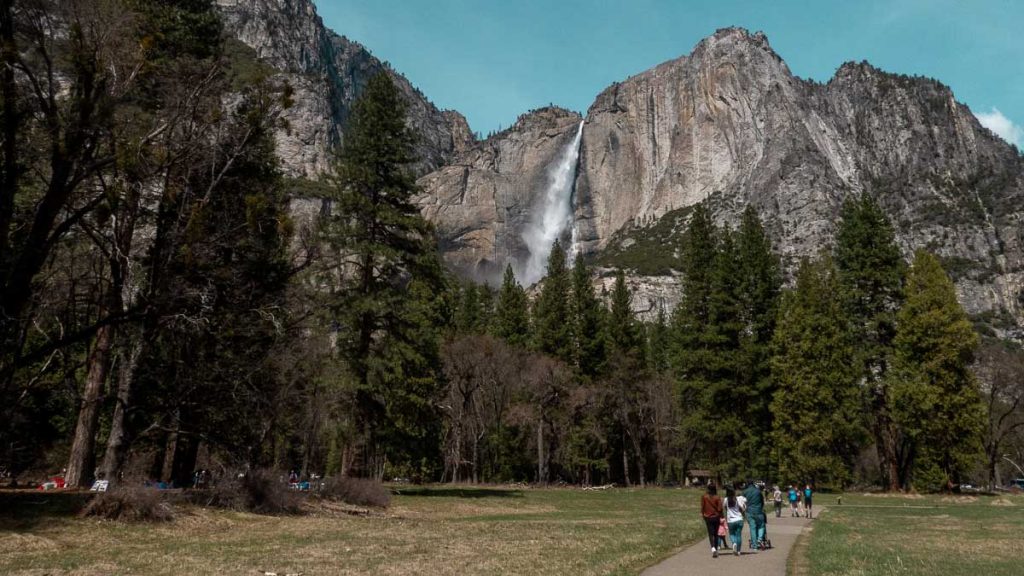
(697, 561)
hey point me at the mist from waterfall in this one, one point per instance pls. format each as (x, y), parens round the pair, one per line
(555, 213)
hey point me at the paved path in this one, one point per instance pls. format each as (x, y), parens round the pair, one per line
(697, 561)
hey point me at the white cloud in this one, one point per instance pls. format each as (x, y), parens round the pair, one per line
(1002, 126)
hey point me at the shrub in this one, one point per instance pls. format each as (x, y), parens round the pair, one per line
(130, 504)
(259, 491)
(355, 491)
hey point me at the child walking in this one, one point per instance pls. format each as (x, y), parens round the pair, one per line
(723, 533)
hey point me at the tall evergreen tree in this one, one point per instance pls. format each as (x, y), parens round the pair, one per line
(757, 282)
(936, 400)
(485, 297)
(512, 312)
(380, 240)
(624, 332)
(706, 329)
(626, 396)
(871, 273)
(552, 311)
(693, 311)
(658, 343)
(817, 404)
(588, 332)
(468, 315)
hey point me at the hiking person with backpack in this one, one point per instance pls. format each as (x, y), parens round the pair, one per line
(777, 500)
(794, 501)
(711, 511)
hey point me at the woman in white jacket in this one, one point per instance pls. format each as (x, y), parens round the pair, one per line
(735, 515)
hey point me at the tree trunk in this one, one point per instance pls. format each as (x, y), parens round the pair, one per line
(11, 123)
(542, 473)
(81, 462)
(885, 442)
(186, 451)
(117, 444)
(625, 462)
(476, 458)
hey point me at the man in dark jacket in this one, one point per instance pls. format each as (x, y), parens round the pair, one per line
(755, 514)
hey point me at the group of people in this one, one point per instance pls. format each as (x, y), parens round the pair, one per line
(796, 498)
(725, 518)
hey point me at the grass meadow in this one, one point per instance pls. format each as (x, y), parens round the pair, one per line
(436, 530)
(490, 530)
(913, 535)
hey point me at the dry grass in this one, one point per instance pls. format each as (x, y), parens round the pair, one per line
(436, 531)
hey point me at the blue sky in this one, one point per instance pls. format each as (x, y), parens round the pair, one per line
(494, 59)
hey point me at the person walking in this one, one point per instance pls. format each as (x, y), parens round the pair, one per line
(711, 510)
(794, 497)
(807, 500)
(755, 514)
(777, 500)
(735, 509)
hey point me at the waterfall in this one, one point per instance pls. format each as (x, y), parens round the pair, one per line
(555, 213)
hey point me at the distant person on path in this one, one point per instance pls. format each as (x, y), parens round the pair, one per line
(735, 508)
(711, 510)
(755, 514)
(807, 500)
(794, 498)
(777, 499)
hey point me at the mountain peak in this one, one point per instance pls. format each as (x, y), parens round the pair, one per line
(733, 38)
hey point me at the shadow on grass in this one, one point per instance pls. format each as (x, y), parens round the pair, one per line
(24, 509)
(457, 492)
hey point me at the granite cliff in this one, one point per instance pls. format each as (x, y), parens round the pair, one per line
(731, 125)
(328, 72)
(728, 124)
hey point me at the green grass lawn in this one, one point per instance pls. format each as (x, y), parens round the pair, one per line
(427, 531)
(914, 535)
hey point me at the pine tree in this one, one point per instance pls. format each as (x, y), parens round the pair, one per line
(935, 396)
(692, 313)
(627, 397)
(871, 273)
(588, 332)
(624, 333)
(468, 316)
(817, 403)
(485, 296)
(512, 313)
(658, 343)
(552, 311)
(758, 282)
(381, 240)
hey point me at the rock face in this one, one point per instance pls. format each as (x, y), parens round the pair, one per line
(481, 202)
(328, 72)
(729, 123)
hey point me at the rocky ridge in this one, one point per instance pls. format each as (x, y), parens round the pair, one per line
(328, 72)
(728, 124)
(731, 125)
